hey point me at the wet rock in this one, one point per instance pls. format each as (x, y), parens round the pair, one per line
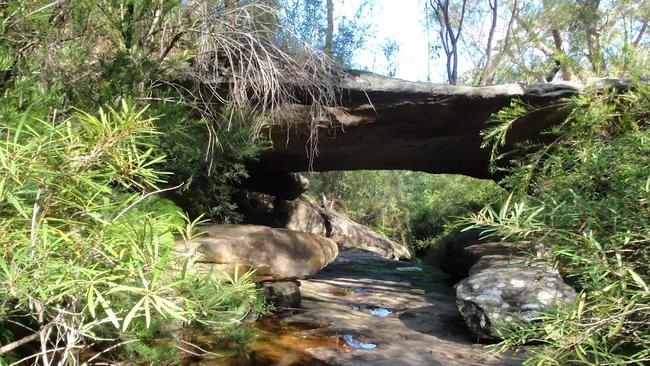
(357, 344)
(508, 292)
(283, 294)
(274, 254)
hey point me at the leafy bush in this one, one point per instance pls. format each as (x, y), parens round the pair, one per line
(206, 171)
(85, 252)
(586, 197)
(410, 207)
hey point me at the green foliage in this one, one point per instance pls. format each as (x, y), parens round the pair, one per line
(151, 345)
(83, 252)
(586, 198)
(409, 207)
(207, 170)
(84, 54)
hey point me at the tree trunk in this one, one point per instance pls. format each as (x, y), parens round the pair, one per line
(639, 36)
(329, 36)
(594, 50)
(560, 57)
(448, 36)
(488, 48)
(487, 77)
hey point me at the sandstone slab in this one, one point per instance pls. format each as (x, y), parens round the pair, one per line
(274, 254)
(302, 215)
(352, 235)
(387, 123)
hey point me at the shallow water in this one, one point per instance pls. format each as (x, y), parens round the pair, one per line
(277, 343)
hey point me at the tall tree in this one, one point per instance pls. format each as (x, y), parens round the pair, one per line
(317, 23)
(492, 61)
(532, 41)
(329, 34)
(591, 20)
(450, 17)
(390, 50)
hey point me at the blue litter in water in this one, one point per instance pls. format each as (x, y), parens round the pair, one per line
(356, 344)
(382, 312)
(374, 310)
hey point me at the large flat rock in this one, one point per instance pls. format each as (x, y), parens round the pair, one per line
(274, 254)
(386, 123)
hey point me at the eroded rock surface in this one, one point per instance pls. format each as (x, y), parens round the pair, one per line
(352, 235)
(275, 254)
(509, 292)
(301, 215)
(489, 261)
(463, 250)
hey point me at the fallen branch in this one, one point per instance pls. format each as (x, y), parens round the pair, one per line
(15, 344)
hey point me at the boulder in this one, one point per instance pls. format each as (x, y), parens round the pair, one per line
(283, 295)
(274, 254)
(490, 261)
(509, 292)
(351, 235)
(302, 215)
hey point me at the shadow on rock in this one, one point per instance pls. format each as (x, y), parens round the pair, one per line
(443, 324)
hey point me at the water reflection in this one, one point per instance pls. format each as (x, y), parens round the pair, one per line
(277, 343)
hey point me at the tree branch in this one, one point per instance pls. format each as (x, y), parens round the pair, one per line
(22, 341)
(639, 36)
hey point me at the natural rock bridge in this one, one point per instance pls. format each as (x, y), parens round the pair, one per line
(384, 123)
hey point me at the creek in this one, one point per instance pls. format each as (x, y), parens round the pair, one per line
(404, 316)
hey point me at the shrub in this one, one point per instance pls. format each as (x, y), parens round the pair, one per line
(85, 248)
(411, 207)
(586, 197)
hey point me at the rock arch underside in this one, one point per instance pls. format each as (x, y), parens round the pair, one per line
(391, 124)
